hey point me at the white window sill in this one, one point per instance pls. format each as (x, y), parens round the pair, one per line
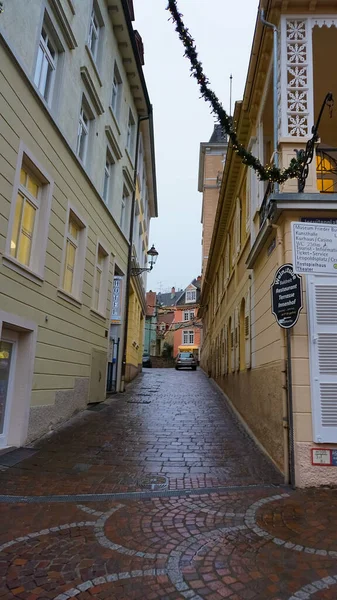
(114, 118)
(96, 313)
(92, 60)
(69, 298)
(18, 267)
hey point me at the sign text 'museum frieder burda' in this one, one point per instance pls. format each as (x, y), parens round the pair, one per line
(314, 248)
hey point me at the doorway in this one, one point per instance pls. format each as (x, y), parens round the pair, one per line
(7, 369)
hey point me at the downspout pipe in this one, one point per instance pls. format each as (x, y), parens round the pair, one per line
(128, 275)
(275, 84)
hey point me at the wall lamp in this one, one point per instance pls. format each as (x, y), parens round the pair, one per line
(153, 254)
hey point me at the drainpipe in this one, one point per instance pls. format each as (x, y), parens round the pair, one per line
(128, 275)
(275, 84)
(288, 422)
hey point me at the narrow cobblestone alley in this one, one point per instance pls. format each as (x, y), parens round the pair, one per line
(160, 494)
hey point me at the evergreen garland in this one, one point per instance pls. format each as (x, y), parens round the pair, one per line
(265, 173)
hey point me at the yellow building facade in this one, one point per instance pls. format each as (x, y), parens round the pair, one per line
(244, 348)
(67, 161)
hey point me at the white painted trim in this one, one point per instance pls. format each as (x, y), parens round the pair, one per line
(41, 229)
(103, 296)
(10, 387)
(23, 381)
(80, 258)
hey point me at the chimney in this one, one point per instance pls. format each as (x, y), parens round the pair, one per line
(173, 292)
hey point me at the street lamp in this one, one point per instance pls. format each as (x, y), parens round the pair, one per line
(153, 254)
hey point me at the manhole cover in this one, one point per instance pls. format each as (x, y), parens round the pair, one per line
(153, 482)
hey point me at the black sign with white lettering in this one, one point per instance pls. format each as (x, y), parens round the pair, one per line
(286, 296)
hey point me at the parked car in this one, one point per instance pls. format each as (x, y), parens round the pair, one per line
(186, 360)
(147, 360)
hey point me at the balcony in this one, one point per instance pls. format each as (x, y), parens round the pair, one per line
(326, 179)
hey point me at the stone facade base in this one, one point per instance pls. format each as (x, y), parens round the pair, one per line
(67, 402)
(131, 372)
(257, 396)
(308, 475)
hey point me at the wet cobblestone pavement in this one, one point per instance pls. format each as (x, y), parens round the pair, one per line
(258, 540)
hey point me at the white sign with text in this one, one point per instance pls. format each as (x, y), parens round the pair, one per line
(314, 248)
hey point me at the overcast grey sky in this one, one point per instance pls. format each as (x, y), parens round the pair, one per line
(223, 32)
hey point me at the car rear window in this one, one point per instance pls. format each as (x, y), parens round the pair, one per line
(186, 355)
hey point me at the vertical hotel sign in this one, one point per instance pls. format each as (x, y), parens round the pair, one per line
(116, 305)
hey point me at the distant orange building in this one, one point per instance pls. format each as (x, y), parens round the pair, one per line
(185, 326)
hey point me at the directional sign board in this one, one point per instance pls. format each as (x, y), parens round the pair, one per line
(314, 248)
(286, 296)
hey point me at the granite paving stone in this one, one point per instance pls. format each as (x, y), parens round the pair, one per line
(241, 534)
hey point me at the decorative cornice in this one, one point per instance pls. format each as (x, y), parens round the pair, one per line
(89, 84)
(113, 142)
(64, 23)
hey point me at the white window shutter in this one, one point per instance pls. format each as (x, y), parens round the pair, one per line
(247, 331)
(323, 333)
(232, 344)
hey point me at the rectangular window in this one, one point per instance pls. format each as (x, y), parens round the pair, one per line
(74, 256)
(124, 219)
(106, 185)
(94, 33)
(71, 251)
(29, 217)
(130, 139)
(100, 280)
(191, 296)
(45, 70)
(188, 337)
(108, 177)
(26, 210)
(116, 92)
(186, 315)
(83, 134)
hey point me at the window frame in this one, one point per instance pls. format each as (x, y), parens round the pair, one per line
(75, 296)
(53, 62)
(83, 126)
(194, 299)
(104, 271)
(130, 135)
(119, 88)
(125, 209)
(35, 270)
(190, 334)
(94, 15)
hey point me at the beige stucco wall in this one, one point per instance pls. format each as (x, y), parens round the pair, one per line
(66, 333)
(306, 473)
(28, 17)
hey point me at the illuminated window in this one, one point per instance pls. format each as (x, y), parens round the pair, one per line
(74, 256)
(26, 209)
